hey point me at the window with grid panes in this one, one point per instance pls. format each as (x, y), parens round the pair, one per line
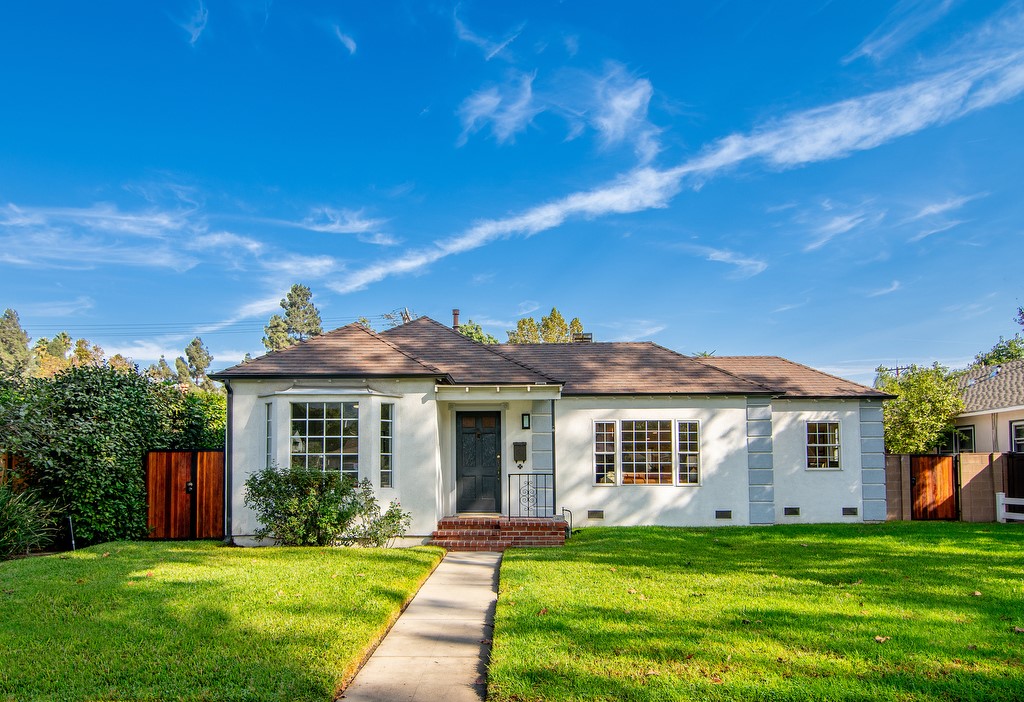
(823, 445)
(325, 436)
(646, 451)
(604, 453)
(387, 447)
(688, 448)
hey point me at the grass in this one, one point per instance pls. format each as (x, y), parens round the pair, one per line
(197, 621)
(777, 613)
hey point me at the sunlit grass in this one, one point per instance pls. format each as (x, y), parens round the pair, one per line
(923, 611)
(197, 621)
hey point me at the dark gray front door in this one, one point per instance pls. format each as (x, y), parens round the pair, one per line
(478, 461)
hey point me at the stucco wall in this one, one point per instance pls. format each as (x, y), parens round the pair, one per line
(723, 459)
(991, 431)
(416, 453)
(820, 494)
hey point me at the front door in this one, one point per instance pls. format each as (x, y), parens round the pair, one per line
(478, 461)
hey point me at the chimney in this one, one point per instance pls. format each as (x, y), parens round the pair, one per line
(455, 319)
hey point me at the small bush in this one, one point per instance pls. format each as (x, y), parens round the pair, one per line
(300, 507)
(26, 522)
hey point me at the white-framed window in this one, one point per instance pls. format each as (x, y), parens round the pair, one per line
(1017, 437)
(646, 452)
(823, 445)
(325, 435)
(387, 445)
(964, 439)
(270, 433)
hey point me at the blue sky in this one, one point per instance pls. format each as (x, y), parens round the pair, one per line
(835, 182)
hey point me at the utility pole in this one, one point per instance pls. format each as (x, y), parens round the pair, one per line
(896, 369)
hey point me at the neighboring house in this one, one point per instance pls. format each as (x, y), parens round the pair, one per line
(993, 416)
(618, 433)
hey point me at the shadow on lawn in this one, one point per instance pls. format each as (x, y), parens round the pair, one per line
(177, 623)
(812, 600)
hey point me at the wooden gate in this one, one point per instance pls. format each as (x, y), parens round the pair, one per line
(1015, 475)
(933, 487)
(185, 494)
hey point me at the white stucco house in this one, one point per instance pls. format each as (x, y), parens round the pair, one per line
(613, 433)
(993, 416)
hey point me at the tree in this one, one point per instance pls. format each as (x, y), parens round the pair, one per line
(473, 331)
(199, 359)
(160, 371)
(552, 329)
(86, 354)
(182, 373)
(1020, 316)
(301, 320)
(15, 354)
(1003, 351)
(927, 400)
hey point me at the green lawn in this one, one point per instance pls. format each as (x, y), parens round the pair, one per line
(776, 613)
(197, 621)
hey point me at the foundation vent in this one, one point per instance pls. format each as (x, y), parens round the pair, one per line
(791, 511)
(723, 514)
(595, 514)
(850, 511)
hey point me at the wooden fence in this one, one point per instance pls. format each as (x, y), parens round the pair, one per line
(185, 494)
(961, 486)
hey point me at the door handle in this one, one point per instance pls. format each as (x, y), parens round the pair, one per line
(190, 487)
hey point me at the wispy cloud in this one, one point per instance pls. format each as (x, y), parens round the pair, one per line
(489, 47)
(101, 217)
(641, 189)
(905, 21)
(943, 206)
(620, 112)
(896, 285)
(294, 266)
(841, 224)
(526, 307)
(56, 308)
(337, 221)
(379, 239)
(508, 109)
(196, 24)
(346, 41)
(790, 306)
(225, 240)
(935, 230)
(638, 330)
(746, 266)
(819, 134)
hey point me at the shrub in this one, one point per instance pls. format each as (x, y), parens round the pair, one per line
(26, 522)
(84, 435)
(301, 507)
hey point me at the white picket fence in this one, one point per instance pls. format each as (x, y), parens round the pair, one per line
(1002, 501)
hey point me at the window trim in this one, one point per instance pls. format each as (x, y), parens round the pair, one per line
(617, 453)
(380, 445)
(323, 454)
(962, 430)
(1013, 441)
(838, 445)
(269, 424)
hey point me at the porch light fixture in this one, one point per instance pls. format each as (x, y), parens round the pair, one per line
(526, 421)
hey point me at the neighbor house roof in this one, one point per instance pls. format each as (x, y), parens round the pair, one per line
(993, 387)
(791, 379)
(352, 351)
(424, 347)
(465, 361)
(626, 368)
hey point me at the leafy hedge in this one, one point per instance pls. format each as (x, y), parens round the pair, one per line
(84, 434)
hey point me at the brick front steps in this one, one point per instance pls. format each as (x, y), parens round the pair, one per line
(498, 533)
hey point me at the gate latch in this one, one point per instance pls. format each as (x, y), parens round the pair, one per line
(190, 487)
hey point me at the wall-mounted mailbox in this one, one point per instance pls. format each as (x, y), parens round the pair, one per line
(519, 451)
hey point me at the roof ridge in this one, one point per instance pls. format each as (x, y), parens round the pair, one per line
(702, 362)
(815, 370)
(394, 346)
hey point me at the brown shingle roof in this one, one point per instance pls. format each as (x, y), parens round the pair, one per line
(348, 352)
(624, 368)
(987, 388)
(466, 362)
(790, 378)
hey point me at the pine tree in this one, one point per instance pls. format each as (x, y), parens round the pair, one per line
(277, 334)
(300, 314)
(183, 374)
(15, 354)
(160, 371)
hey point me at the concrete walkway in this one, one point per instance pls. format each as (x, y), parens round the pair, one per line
(439, 648)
